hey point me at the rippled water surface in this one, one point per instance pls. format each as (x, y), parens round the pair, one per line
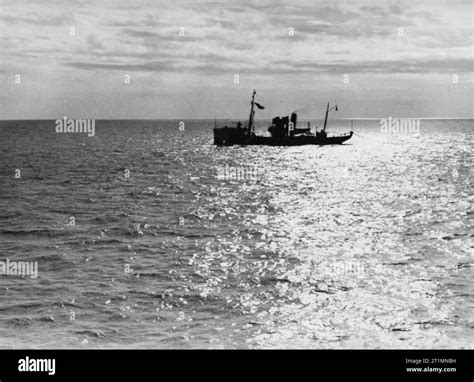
(364, 245)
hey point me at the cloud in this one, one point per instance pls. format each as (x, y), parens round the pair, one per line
(154, 66)
(171, 34)
(94, 43)
(376, 67)
(37, 19)
(140, 33)
(250, 37)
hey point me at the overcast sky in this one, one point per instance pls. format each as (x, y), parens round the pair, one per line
(400, 58)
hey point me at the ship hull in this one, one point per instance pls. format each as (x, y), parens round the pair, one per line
(230, 137)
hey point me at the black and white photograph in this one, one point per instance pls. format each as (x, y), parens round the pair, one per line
(236, 175)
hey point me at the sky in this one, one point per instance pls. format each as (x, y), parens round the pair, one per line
(202, 59)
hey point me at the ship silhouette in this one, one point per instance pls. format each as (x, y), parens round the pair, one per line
(284, 132)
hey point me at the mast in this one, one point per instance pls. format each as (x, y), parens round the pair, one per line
(251, 114)
(326, 118)
(327, 112)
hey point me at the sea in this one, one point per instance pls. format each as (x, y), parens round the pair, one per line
(146, 235)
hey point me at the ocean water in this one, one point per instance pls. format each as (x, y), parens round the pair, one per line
(146, 236)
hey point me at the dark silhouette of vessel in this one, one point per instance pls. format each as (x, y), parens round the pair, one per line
(283, 132)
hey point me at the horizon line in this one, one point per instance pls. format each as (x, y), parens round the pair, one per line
(227, 119)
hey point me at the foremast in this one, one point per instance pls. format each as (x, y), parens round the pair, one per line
(327, 112)
(252, 113)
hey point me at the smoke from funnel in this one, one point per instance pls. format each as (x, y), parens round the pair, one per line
(301, 109)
